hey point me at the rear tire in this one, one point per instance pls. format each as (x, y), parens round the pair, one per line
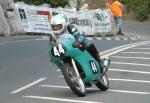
(75, 83)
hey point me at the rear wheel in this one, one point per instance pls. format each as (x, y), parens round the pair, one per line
(73, 78)
(103, 83)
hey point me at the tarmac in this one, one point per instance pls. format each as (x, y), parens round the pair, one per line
(5, 39)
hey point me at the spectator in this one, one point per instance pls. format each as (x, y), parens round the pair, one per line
(49, 16)
(117, 9)
(84, 7)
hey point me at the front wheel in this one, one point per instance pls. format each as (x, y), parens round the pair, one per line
(103, 83)
(73, 79)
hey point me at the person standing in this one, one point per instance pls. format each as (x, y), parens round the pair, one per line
(84, 7)
(117, 9)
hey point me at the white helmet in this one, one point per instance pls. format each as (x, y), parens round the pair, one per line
(58, 24)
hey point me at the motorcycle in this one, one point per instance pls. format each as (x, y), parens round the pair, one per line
(77, 65)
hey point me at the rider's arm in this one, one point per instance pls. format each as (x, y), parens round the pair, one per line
(75, 32)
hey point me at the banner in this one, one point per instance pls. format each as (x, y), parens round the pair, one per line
(90, 22)
(81, 19)
(35, 19)
(101, 20)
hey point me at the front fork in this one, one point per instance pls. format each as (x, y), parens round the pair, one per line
(79, 79)
(75, 68)
(106, 63)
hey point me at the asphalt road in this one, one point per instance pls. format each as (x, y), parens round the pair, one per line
(139, 28)
(26, 76)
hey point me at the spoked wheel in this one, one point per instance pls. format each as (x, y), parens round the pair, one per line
(103, 84)
(73, 78)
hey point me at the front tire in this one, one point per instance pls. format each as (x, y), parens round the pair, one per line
(74, 80)
(103, 83)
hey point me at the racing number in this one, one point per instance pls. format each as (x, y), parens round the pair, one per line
(93, 66)
(58, 50)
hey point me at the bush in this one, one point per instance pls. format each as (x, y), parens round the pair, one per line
(52, 3)
(141, 8)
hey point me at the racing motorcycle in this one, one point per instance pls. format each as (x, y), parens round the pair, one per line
(77, 65)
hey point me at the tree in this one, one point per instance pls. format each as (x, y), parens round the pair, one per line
(141, 8)
(52, 3)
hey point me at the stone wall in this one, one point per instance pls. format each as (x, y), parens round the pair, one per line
(4, 27)
(10, 23)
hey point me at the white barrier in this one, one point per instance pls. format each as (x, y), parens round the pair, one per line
(35, 19)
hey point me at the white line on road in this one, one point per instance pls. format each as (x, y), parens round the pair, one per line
(130, 64)
(125, 38)
(121, 48)
(58, 70)
(136, 52)
(65, 87)
(60, 76)
(117, 38)
(28, 86)
(142, 48)
(60, 99)
(129, 80)
(114, 79)
(133, 38)
(131, 92)
(111, 90)
(131, 71)
(122, 57)
(108, 38)
(147, 45)
(99, 38)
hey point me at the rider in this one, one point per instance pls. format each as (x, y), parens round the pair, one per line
(60, 29)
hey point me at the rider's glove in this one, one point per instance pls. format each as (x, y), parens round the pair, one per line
(79, 45)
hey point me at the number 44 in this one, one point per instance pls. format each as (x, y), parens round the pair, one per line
(59, 51)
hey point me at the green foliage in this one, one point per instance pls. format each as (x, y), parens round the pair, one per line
(78, 4)
(52, 3)
(141, 8)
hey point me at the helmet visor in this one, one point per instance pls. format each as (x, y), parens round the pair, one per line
(56, 27)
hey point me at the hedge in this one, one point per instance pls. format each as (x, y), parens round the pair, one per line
(141, 8)
(52, 3)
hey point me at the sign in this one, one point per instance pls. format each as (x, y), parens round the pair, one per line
(101, 21)
(35, 19)
(90, 22)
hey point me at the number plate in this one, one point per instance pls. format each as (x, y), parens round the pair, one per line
(93, 66)
(58, 50)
